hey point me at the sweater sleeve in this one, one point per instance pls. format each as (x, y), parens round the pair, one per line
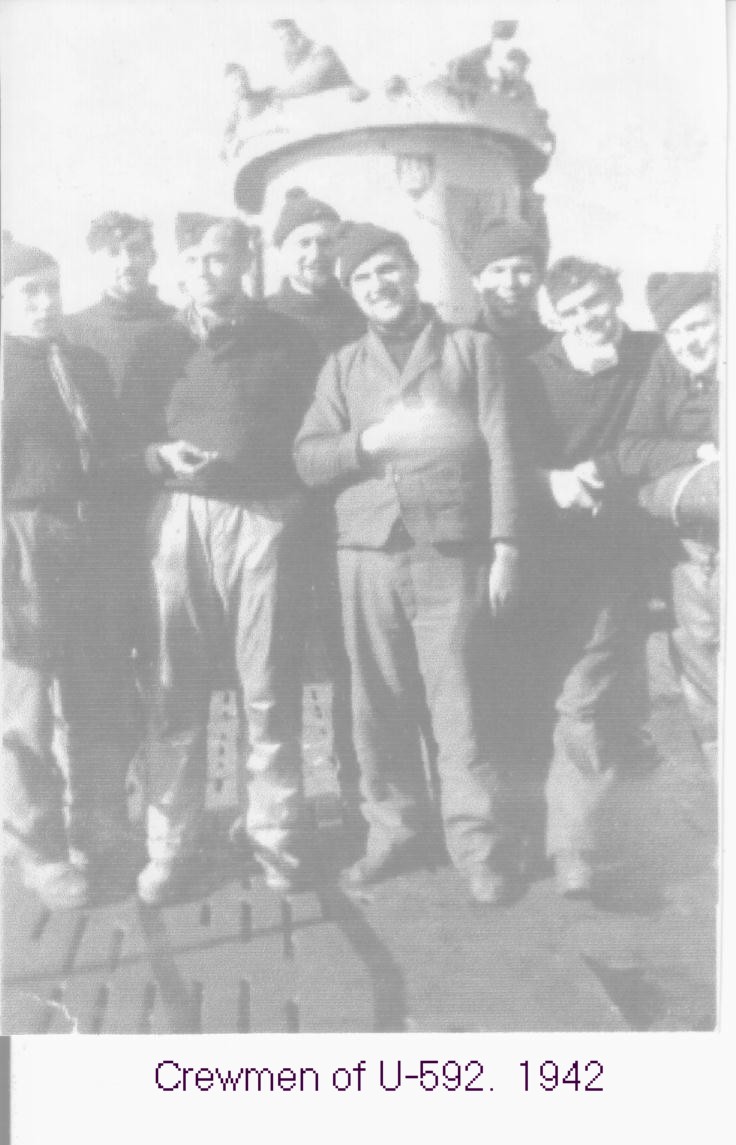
(647, 449)
(497, 429)
(327, 448)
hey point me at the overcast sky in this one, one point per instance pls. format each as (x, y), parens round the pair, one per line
(117, 104)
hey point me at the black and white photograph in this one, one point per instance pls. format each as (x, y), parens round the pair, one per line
(361, 466)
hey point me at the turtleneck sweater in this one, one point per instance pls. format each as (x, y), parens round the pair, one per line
(331, 317)
(113, 327)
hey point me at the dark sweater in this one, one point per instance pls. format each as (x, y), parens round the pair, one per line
(331, 317)
(575, 417)
(673, 414)
(241, 393)
(41, 462)
(572, 417)
(517, 340)
(112, 328)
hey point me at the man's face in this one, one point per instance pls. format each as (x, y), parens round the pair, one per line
(126, 264)
(693, 337)
(590, 312)
(32, 304)
(509, 285)
(385, 287)
(212, 270)
(307, 256)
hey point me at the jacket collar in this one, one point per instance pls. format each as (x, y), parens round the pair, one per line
(426, 351)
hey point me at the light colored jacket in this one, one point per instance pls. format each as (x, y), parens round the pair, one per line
(462, 487)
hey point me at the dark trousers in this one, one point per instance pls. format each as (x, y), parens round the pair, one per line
(59, 740)
(695, 639)
(576, 692)
(417, 624)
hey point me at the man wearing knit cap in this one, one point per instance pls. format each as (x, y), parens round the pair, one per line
(585, 548)
(408, 427)
(59, 453)
(507, 264)
(123, 251)
(305, 237)
(122, 248)
(219, 398)
(670, 445)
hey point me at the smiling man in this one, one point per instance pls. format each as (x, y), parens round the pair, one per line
(585, 558)
(671, 442)
(409, 428)
(219, 398)
(305, 239)
(507, 264)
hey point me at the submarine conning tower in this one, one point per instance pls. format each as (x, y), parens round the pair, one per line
(436, 161)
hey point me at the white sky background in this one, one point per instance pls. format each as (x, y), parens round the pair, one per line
(116, 104)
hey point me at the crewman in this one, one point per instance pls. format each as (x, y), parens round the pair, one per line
(219, 397)
(310, 67)
(124, 255)
(305, 239)
(59, 454)
(671, 445)
(129, 307)
(507, 262)
(583, 559)
(409, 428)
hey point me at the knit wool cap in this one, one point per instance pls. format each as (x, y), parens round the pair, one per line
(115, 227)
(190, 228)
(571, 274)
(20, 260)
(358, 241)
(300, 208)
(503, 240)
(670, 295)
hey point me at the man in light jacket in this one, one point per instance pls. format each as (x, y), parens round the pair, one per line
(409, 427)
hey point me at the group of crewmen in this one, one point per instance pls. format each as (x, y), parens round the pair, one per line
(468, 515)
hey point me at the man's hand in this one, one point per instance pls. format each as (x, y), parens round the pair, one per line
(590, 475)
(404, 428)
(570, 491)
(183, 459)
(708, 451)
(503, 582)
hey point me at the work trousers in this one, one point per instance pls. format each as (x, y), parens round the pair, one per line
(417, 625)
(60, 746)
(586, 690)
(226, 588)
(695, 639)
